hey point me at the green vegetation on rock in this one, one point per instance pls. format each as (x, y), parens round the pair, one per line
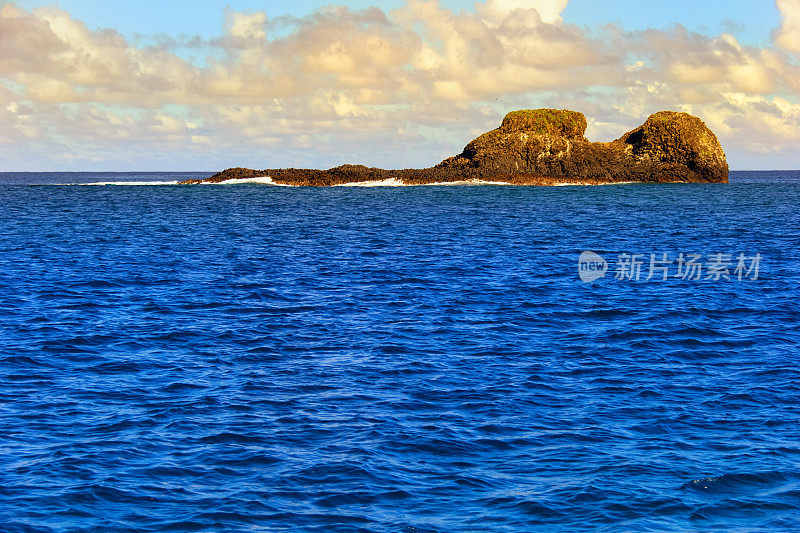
(559, 122)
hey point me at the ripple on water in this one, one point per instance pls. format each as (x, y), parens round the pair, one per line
(393, 359)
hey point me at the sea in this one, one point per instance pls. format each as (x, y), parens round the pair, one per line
(459, 358)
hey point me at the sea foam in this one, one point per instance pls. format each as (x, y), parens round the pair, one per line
(394, 182)
(264, 180)
(129, 183)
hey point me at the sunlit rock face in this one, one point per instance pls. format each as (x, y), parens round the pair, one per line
(676, 140)
(668, 147)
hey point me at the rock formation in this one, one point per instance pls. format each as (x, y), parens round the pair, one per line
(547, 147)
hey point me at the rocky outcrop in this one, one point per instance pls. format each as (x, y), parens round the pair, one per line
(547, 147)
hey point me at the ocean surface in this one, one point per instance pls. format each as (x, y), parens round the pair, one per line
(398, 359)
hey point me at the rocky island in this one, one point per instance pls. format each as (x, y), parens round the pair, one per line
(545, 147)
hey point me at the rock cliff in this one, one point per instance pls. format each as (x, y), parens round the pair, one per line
(548, 147)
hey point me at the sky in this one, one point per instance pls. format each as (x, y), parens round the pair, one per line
(207, 84)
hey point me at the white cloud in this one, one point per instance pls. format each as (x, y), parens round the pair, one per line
(346, 82)
(788, 36)
(246, 26)
(549, 10)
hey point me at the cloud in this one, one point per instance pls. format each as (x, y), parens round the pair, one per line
(354, 84)
(549, 11)
(788, 36)
(246, 26)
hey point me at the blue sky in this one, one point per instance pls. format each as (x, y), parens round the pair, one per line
(754, 19)
(83, 88)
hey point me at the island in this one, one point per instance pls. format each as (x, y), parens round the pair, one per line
(543, 147)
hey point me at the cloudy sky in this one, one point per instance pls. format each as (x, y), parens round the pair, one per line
(206, 84)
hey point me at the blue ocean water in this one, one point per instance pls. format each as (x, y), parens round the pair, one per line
(419, 359)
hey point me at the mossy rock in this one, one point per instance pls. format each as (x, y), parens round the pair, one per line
(555, 122)
(518, 130)
(236, 173)
(670, 136)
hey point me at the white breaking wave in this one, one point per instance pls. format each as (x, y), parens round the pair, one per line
(100, 183)
(264, 180)
(391, 182)
(469, 182)
(579, 184)
(394, 182)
